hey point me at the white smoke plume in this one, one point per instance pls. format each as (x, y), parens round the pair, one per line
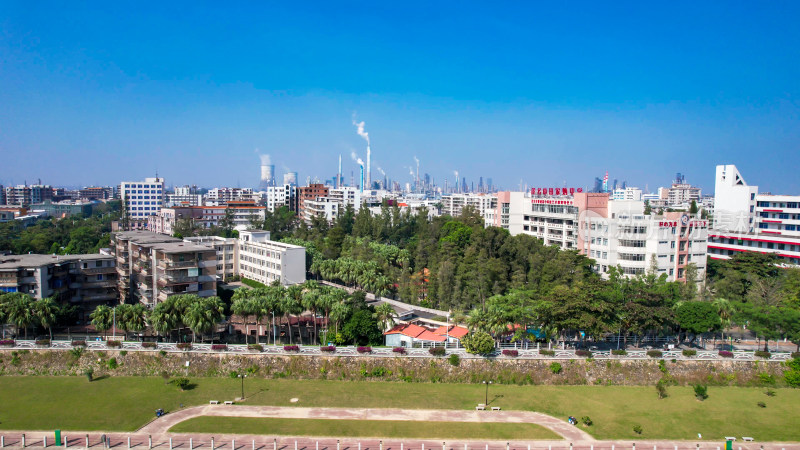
(265, 159)
(411, 171)
(360, 161)
(455, 172)
(354, 156)
(360, 129)
(416, 160)
(381, 171)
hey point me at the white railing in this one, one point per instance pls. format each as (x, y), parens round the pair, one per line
(388, 352)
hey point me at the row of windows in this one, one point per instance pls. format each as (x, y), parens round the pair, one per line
(777, 204)
(777, 226)
(759, 244)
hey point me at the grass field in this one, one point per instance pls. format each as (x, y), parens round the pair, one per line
(127, 403)
(365, 428)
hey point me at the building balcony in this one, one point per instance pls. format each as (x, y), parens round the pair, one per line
(169, 264)
(97, 270)
(99, 284)
(181, 279)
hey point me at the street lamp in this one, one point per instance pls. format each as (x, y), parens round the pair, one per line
(486, 399)
(242, 376)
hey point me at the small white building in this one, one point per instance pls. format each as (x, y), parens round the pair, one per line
(266, 261)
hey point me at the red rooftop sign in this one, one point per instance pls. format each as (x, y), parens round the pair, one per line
(555, 191)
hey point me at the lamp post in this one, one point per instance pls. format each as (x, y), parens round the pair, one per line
(242, 376)
(486, 398)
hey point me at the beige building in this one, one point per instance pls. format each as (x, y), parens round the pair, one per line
(267, 261)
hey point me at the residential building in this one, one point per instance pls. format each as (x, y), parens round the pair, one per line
(140, 200)
(322, 206)
(224, 195)
(26, 195)
(309, 193)
(414, 335)
(453, 204)
(267, 261)
(628, 193)
(274, 197)
(2, 195)
(8, 213)
(184, 196)
(227, 254)
(153, 266)
(96, 193)
(615, 233)
(85, 281)
(748, 221)
(242, 214)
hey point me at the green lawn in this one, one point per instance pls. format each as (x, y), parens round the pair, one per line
(365, 428)
(127, 403)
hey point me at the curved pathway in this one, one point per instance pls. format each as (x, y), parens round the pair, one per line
(560, 427)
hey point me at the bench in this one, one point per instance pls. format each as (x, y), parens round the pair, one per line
(213, 402)
(495, 408)
(747, 439)
(228, 402)
(730, 438)
(480, 408)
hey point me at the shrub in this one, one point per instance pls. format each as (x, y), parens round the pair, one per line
(45, 342)
(655, 353)
(184, 345)
(637, 429)
(399, 350)
(7, 342)
(762, 354)
(328, 348)
(76, 352)
(700, 391)
(725, 354)
(123, 352)
(112, 363)
(583, 353)
(182, 383)
(796, 355)
(619, 352)
(792, 378)
(89, 373)
(256, 347)
(766, 378)
(512, 353)
(162, 352)
(555, 368)
(478, 343)
(366, 349)
(113, 344)
(454, 359)
(770, 393)
(586, 421)
(762, 405)
(547, 352)
(219, 347)
(79, 343)
(661, 388)
(148, 345)
(436, 351)
(292, 348)
(689, 353)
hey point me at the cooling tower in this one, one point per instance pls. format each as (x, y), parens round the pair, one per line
(267, 175)
(290, 178)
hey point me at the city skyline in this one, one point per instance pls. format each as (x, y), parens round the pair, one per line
(526, 95)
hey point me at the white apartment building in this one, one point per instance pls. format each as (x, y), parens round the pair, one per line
(631, 193)
(274, 197)
(485, 204)
(141, 199)
(613, 233)
(243, 216)
(184, 196)
(267, 261)
(746, 221)
(227, 254)
(638, 243)
(347, 196)
(324, 206)
(223, 195)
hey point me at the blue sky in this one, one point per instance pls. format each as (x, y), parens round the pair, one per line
(522, 92)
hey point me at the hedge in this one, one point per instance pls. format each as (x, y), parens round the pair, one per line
(584, 353)
(184, 345)
(689, 352)
(400, 350)
(365, 349)
(113, 344)
(43, 342)
(547, 352)
(256, 347)
(291, 348)
(725, 354)
(512, 353)
(148, 345)
(655, 353)
(436, 351)
(219, 347)
(619, 352)
(328, 348)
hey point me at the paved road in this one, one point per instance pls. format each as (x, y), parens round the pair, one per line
(567, 431)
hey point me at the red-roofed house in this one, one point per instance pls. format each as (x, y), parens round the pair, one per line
(453, 334)
(404, 335)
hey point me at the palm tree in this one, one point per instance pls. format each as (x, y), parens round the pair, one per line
(120, 313)
(311, 300)
(725, 311)
(19, 310)
(102, 316)
(134, 320)
(243, 307)
(338, 313)
(46, 311)
(291, 306)
(384, 314)
(202, 316)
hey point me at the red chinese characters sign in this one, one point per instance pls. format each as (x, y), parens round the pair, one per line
(555, 191)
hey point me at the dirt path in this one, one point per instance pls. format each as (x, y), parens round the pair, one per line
(560, 427)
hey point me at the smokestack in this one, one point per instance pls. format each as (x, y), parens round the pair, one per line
(362, 178)
(369, 155)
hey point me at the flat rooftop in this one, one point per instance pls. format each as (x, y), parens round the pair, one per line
(23, 261)
(144, 237)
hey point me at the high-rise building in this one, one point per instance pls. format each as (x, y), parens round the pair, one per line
(140, 200)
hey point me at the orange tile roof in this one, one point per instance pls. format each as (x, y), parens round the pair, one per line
(455, 331)
(431, 336)
(409, 330)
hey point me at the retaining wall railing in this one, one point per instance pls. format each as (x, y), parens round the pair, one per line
(387, 352)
